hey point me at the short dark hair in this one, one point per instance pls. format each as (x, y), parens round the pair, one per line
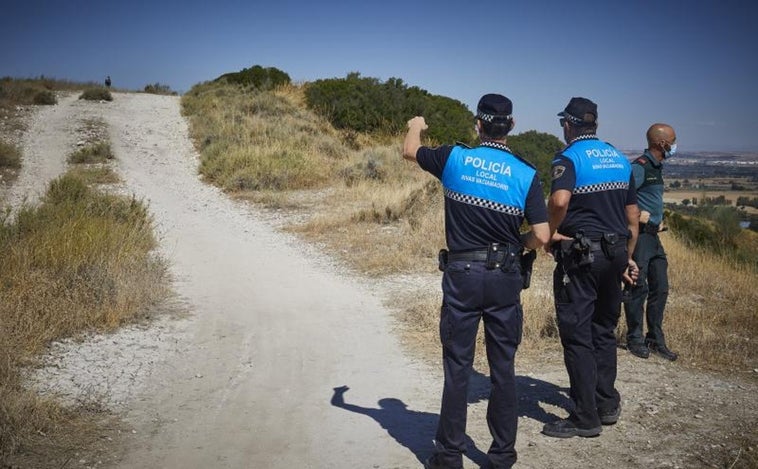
(496, 130)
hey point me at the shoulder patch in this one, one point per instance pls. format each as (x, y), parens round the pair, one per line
(558, 171)
(641, 160)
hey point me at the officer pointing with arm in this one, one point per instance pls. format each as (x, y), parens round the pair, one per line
(488, 192)
(593, 224)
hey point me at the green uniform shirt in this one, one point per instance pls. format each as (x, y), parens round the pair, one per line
(648, 177)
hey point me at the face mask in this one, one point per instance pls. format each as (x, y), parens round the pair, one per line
(670, 152)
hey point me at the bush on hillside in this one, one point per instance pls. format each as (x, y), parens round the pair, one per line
(366, 104)
(96, 94)
(539, 149)
(45, 97)
(157, 88)
(10, 155)
(258, 77)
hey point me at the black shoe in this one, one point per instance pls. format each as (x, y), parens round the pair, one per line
(566, 429)
(433, 462)
(638, 349)
(610, 416)
(663, 351)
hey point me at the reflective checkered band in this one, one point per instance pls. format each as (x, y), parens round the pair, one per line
(490, 118)
(499, 146)
(606, 186)
(488, 204)
(583, 137)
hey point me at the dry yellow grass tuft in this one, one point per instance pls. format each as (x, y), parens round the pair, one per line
(79, 261)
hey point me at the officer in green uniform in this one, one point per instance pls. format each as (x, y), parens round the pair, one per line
(652, 286)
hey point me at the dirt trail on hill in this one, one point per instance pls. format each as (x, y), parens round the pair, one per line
(247, 378)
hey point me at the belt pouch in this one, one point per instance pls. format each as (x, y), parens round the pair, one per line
(608, 244)
(493, 252)
(442, 259)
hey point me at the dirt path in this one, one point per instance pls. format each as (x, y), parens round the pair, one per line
(247, 379)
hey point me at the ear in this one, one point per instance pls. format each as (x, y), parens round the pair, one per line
(513, 124)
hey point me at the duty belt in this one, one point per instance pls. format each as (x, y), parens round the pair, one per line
(495, 256)
(566, 245)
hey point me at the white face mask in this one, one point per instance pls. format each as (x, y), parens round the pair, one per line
(670, 152)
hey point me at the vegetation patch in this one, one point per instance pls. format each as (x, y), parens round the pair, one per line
(253, 140)
(261, 78)
(45, 97)
(10, 155)
(365, 104)
(80, 261)
(96, 94)
(158, 88)
(95, 174)
(99, 152)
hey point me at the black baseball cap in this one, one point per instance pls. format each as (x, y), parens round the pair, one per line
(494, 108)
(580, 111)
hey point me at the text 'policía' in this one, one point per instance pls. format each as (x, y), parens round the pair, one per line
(490, 166)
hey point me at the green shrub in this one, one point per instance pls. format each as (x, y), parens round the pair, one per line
(10, 155)
(538, 148)
(257, 77)
(94, 153)
(366, 104)
(45, 97)
(157, 88)
(96, 94)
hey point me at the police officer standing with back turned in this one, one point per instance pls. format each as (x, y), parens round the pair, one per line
(649, 255)
(593, 224)
(488, 193)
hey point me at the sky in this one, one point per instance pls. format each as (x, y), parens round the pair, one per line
(692, 64)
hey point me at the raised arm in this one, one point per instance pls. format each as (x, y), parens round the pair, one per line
(413, 137)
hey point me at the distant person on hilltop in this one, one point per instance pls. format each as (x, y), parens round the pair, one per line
(108, 81)
(489, 191)
(652, 286)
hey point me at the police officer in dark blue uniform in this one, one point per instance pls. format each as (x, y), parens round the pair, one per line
(594, 219)
(488, 193)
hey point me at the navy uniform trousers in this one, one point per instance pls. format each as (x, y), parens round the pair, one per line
(472, 292)
(652, 286)
(588, 309)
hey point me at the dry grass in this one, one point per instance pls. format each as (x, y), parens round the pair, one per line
(10, 155)
(711, 315)
(384, 217)
(94, 174)
(99, 152)
(80, 261)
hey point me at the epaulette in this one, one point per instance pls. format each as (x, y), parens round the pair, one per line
(641, 160)
(461, 144)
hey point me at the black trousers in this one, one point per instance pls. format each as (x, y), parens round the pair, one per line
(588, 303)
(652, 287)
(470, 293)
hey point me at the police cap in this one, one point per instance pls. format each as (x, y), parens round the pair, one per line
(494, 108)
(580, 111)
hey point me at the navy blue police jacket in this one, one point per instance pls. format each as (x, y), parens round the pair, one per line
(601, 183)
(488, 193)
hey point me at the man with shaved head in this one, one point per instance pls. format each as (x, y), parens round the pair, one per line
(652, 286)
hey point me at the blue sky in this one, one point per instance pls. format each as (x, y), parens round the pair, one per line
(692, 64)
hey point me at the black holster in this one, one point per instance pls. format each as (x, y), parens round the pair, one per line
(442, 259)
(527, 261)
(581, 250)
